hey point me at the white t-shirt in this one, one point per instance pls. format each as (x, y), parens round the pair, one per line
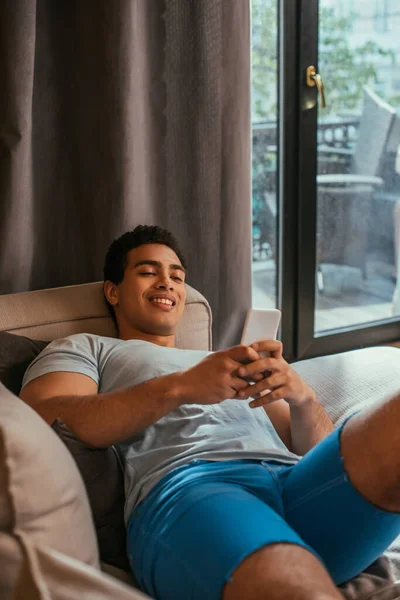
(229, 430)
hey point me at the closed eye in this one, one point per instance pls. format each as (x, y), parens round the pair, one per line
(152, 273)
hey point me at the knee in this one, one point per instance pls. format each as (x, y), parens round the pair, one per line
(280, 571)
(369, 448)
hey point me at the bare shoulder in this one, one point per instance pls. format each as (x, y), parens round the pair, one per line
(58, 383)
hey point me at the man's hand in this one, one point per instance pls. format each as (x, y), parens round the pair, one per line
(215, 378)
(280, 379)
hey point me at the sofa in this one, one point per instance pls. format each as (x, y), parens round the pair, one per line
(61, 502)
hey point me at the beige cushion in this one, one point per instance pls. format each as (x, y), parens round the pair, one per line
(50, 575)
(58, 312)
(11, 559)
(42, 495)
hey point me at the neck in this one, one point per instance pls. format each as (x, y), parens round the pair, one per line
(130, 333)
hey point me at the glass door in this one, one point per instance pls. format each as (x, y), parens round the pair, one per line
(264, 132)
(349, 174)
(358, 177)
(326, 180)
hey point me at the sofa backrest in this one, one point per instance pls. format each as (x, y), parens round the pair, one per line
(57, 312)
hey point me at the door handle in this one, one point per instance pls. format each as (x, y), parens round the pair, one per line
(314, 79)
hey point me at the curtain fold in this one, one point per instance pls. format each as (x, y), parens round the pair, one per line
(119, 113)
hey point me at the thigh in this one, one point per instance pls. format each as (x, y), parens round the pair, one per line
(322, 505)
(187, 545)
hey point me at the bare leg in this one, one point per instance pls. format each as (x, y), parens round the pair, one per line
(370, 446)
(279, 572)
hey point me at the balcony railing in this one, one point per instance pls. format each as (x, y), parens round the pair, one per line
(333, 133)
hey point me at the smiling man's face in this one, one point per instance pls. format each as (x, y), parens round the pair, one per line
(150, 300)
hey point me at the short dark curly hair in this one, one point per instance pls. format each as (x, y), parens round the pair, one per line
(117, 254)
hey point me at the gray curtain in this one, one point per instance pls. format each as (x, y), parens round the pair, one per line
(119, 113)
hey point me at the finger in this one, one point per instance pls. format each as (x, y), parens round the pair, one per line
(238, 384)
(269, 383)
(252, 378)
(242, 354)
(273, 346)
(273, 396)
(255, 377)
(276, 380)
(244, 393)
(259, 366)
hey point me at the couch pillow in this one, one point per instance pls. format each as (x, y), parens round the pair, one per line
(100, 469)
(47, 574)
(16, 354)
(42, 495)
(102, 473)
(11, 559)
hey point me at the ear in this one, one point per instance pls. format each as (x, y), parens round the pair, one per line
(111, 292)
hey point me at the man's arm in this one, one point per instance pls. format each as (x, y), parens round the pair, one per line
(291, 404)
(309, 424)
(101, 420)
(299, 428)
(104, 419)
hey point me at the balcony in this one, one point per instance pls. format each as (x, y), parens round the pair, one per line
(349, 296)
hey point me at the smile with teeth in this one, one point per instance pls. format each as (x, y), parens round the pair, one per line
(164, 301)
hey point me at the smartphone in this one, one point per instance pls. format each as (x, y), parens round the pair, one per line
(260, 324)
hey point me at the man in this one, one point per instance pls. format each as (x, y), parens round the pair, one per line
(219, 503)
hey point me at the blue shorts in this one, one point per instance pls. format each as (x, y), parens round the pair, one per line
(201, 520)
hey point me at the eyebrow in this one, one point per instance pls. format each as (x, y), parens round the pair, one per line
(156, 263)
